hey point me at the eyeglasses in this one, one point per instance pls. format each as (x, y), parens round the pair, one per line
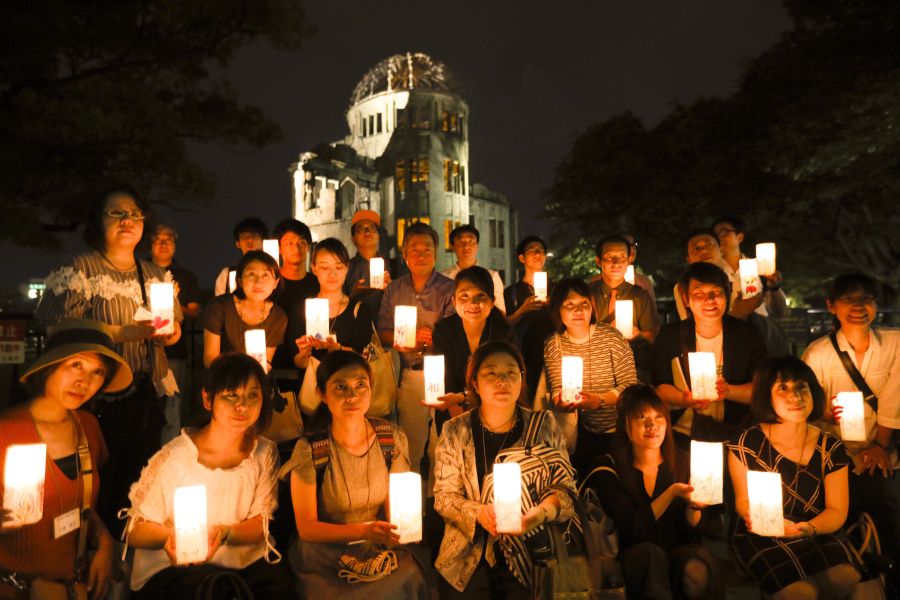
(121, 215)
(492, 377)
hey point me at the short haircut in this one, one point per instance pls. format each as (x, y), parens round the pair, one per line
(706, 273)
(94, 235)
(161, 228)
(233, 371)
(246, 259)
(559, 295)
(526, 241)
(466, 228)
(292, 226)
(613, 239)
(785, 368)
(852, 282)
(698, 231)
(477, 276)
(333, 246)
(36, 383)
(419, 228)
(320, 420)
(250, 225)
(736, 223)
(489, 349)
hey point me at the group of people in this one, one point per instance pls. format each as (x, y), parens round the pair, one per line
(103, 383)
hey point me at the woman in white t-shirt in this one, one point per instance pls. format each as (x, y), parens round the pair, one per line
(237, 468)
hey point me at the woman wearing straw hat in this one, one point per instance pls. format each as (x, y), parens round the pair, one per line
(78, 362)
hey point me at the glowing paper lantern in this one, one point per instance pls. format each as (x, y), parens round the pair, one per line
(572, 377)
(540, 286)
(434, 379)
(406, 505)
(508, 497)
(232, 281)
(23, 483)
(765, 258)
(317, 318)
(162, 305)
(703, 375)
(853, 417)
(191, 536)
(255, 346)
(766, 512)
(750, 283)
(707, 468)
(629, 274)
(376, 272)
(270, 247)
(405, 326)
(625, 318)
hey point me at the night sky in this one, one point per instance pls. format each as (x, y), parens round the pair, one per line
(533, 80)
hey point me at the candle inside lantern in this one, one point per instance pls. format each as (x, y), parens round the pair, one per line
(23, 483)
(540, 286)
(703, 375)
(405, 326)
(853, 417)
(271, 248)
(572, 377)
(232, 281)
(629, 274)
(162, 306)
(317, 318)
(765, 258)
(508, 497)
(625, 318)
(766, 511)
(434, 379)
(191, 536)
(376, 272)
(406, 505)
(255, 346)
(707, 468)
(750, 283)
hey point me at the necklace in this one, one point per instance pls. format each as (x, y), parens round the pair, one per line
(800, 466)
(354, 514)
(261, 315)
(117, 267)
(514, 419)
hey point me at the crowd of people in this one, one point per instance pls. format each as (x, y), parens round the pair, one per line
(109, 396)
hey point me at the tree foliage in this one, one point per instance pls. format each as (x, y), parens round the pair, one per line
(807, 150)
(96, 92)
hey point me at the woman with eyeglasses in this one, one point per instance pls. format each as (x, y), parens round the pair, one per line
(471, 559)
(110, 284)
(237, 467)
(608, 368)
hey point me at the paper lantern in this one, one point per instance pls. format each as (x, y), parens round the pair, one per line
(707, 469)
(317, 318)
(765, 258)
(162, 306)
(629, 274)
(572, 377)
(703, 375)
(376, 272)
(406, 505)
(540, 286)
(232, 281)
(23, 483)
(508, 497)
(766, 512)
(434, 379)
(255, 346)
(271, 248)
(191, 535)
(853, 417)
(750, 284)
(405, 326)
(625, 318)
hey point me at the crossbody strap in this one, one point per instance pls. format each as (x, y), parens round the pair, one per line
(86, 466)
(535, 423)
(858, 380)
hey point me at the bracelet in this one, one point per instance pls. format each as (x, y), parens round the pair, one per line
(815, 531)
(546, 514)
(227, 537)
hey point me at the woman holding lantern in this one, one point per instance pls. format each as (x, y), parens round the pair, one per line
(470, 560)
(339, 473)
(811, 558)
(39, 543)
(237, 469)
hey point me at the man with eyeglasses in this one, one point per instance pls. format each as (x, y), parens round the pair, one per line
(364, 231)
(464, 240)
(248, 235)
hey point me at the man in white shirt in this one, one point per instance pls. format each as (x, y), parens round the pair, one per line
(464, 240)
(248, 235)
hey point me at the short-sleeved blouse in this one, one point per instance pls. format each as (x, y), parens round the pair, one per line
(232, 496)
(221, 318)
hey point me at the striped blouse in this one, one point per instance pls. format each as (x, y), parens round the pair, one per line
(608, 365)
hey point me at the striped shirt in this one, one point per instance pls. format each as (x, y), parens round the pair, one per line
(608, 365)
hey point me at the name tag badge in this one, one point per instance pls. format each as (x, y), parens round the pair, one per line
(66, 523)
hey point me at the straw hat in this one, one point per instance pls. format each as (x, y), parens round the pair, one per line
(74, 336)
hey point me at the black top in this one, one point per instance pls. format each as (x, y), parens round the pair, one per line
(221, 318)
(188, 292)
(531, 330)
(294, 292)
(488, 444)
(68, 465)
(359, 269)
(355, 332)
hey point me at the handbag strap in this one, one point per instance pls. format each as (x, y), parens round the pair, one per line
(147, 343)
(858, 380)
(535, 423)
(86, 466)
